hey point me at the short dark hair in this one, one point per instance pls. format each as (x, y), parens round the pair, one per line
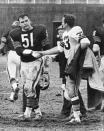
(22, 16)
(69, 19)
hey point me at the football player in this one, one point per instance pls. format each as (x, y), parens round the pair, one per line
(27, 39)
(98, 49)
(13, 61)
(73, 39)
(98, 37)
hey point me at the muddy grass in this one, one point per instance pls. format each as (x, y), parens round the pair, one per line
(50, 104)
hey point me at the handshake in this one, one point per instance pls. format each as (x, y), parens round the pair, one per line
(35, 54)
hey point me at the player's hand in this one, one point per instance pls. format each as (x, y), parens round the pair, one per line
(3, 39)
(84, 43)
(36, 54)
(27, 51)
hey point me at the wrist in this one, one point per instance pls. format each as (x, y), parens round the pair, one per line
(42, 53)
(26, 51)
(31, 52)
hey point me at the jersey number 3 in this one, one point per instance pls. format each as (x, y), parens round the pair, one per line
(27, 40)
(67, 44)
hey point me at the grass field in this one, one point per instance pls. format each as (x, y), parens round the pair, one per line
(50, 104)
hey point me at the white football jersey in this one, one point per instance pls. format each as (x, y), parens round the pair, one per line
(71, 40)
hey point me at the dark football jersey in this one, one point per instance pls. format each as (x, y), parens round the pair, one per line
(31, 39)
(9, 45)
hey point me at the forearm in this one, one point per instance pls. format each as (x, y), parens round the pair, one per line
(51, 51)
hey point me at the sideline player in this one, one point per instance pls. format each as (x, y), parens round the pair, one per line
(98, 49)
(61, 56)
(13, 61)
(27, 39)
(98, 37)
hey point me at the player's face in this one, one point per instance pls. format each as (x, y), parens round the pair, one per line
(25, 23)
(63, 23)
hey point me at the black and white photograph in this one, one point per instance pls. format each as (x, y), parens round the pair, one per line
(51, 65)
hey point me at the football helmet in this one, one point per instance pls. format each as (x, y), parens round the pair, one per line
(44, 81)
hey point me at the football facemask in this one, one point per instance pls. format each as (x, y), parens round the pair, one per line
(44, 81)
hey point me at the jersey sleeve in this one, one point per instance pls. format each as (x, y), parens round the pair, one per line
(14, 38)
(5, 34)
(14, 34)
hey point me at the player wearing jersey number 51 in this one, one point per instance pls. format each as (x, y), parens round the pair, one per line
(26, 40)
